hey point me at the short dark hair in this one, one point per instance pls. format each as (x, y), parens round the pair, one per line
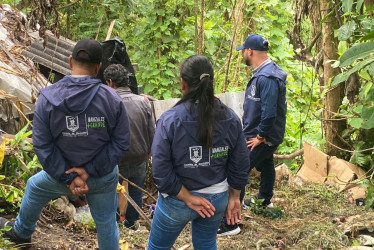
(118, 74)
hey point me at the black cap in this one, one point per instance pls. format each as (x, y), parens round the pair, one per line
(91, 47)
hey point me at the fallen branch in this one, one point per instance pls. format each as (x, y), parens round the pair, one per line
(290, 156)
(134, 185)
(137, 208)
(67, 5)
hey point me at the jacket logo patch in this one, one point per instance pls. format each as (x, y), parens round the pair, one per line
(75, 126)
(252, 93)
(253, 90)
(196, 153)
(72, 123)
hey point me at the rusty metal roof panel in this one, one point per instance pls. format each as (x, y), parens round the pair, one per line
(55, 55)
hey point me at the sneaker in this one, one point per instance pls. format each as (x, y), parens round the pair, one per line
(248, 202)
(12, 236)
(226, 229)
(134, 226)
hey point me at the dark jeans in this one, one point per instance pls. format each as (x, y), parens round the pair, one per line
(135, 173)
(263, 160)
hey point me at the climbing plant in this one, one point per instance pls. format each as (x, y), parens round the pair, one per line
(356, 65)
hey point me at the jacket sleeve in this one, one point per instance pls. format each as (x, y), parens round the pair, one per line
(269, 95)
(162, 167)
(48, 153)
(238, 160)
(112, 152)
(151, 125)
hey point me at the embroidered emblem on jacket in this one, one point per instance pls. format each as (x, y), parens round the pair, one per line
(252, 93)
(196, 153)
(75, 126)
(72, 123)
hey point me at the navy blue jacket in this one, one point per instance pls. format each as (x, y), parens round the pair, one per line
(80, 122)
(265, 104)
(178, 157)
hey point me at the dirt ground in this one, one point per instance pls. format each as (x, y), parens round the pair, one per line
(306, 223)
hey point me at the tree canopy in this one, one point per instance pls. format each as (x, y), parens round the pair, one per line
(325, 47)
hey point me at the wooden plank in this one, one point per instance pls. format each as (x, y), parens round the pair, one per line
(110, 30)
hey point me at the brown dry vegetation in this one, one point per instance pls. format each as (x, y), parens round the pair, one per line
(306, 224)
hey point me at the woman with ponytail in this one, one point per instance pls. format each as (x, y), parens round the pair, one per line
(199, 162)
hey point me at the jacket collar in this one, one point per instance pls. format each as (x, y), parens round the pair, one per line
(124, 90)
(259, 67)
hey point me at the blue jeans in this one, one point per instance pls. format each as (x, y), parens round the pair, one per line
(135, 173)
(101, 197)
(263, 160)
(172, 215)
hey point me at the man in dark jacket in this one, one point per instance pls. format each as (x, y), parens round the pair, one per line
(133, 165)
(80, 133)
(264, 116)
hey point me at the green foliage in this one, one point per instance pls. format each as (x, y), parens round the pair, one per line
(258, 208)
(4, 243)
(160, 34)
(358, 51)
(368, 183)
(356, 58)
(17, 168)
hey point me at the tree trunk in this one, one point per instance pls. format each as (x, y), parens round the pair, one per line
(67, 34)
(159, 40)
(196, 26)
(201, 33)
(334, 96)
(369, 3)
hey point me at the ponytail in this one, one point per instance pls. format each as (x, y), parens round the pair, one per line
(197, 72)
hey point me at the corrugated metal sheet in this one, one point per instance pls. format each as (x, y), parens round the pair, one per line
(55, 55)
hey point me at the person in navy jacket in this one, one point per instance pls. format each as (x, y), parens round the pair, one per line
(264, 116)
(80, 133)
(199, 162)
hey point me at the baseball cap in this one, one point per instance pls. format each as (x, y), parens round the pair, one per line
(91, 47)
(255, 42)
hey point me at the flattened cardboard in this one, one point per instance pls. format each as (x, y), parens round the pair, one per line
(342, 172)
(314, 168)
(320, 168)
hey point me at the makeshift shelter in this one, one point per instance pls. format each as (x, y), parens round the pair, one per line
(20, 79)
(29, 63)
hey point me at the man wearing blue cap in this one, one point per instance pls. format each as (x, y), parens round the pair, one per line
(264, 118)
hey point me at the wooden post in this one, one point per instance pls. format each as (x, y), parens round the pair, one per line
(110, 30)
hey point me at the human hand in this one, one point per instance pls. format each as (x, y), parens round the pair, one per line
(253, 142)
(200, 205)
(80, 171)
(233, 213)
(78, 186)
